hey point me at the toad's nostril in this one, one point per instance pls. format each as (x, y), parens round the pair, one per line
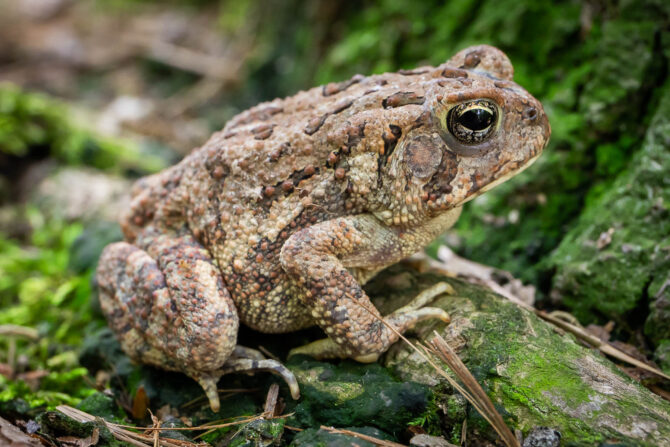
(530, 113)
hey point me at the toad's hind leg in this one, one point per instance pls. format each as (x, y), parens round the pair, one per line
(167, 304)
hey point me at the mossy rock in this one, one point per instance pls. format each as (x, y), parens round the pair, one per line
(617, 253)
(54, 424)
(101, 405)
(535, 375)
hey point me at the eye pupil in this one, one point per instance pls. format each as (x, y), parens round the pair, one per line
(476, 119)
(473, 122)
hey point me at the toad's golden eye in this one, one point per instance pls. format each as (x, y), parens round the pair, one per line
(472, 122)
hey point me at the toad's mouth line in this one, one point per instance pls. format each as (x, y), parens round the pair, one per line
(504, 178)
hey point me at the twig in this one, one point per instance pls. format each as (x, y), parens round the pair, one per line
(271, 401)
(19, 331)
(372, 439)
(597, 343)
(661, 392)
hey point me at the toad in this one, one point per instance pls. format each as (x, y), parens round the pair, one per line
(281, 217)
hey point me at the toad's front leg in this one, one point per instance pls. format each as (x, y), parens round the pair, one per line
(319, 259)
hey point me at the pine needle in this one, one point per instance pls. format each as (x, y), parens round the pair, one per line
(371, 439)
(483, 404)
(122, 433)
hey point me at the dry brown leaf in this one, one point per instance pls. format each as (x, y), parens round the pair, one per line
(12, 436)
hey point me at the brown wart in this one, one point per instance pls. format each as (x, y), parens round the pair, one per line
(415, 71)
(287, 186)
(471, 60)
(276, 154)
(262, 132)
(354, 136)
(451, 73)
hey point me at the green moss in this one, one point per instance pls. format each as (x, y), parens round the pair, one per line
(351, 394)
(101, 405)
(36, 125)
(657, 325)
(56, 424)
(610, 258)
(260, 432)
(662, 355)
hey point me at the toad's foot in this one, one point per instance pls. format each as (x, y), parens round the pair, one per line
(400, 320)
(426, 297)
(209, 380)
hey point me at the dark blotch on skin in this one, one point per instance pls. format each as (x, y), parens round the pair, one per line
(472, 59)
(315, 123)
(402, 99)
(440, 183)
(390, 140)
(454, 73)
(337, 87)
(390, 137)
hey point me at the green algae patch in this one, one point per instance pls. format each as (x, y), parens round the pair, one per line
(351, 394)
(534, 375)
(617, 253)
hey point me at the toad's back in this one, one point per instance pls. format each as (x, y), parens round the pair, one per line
(277, 168)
